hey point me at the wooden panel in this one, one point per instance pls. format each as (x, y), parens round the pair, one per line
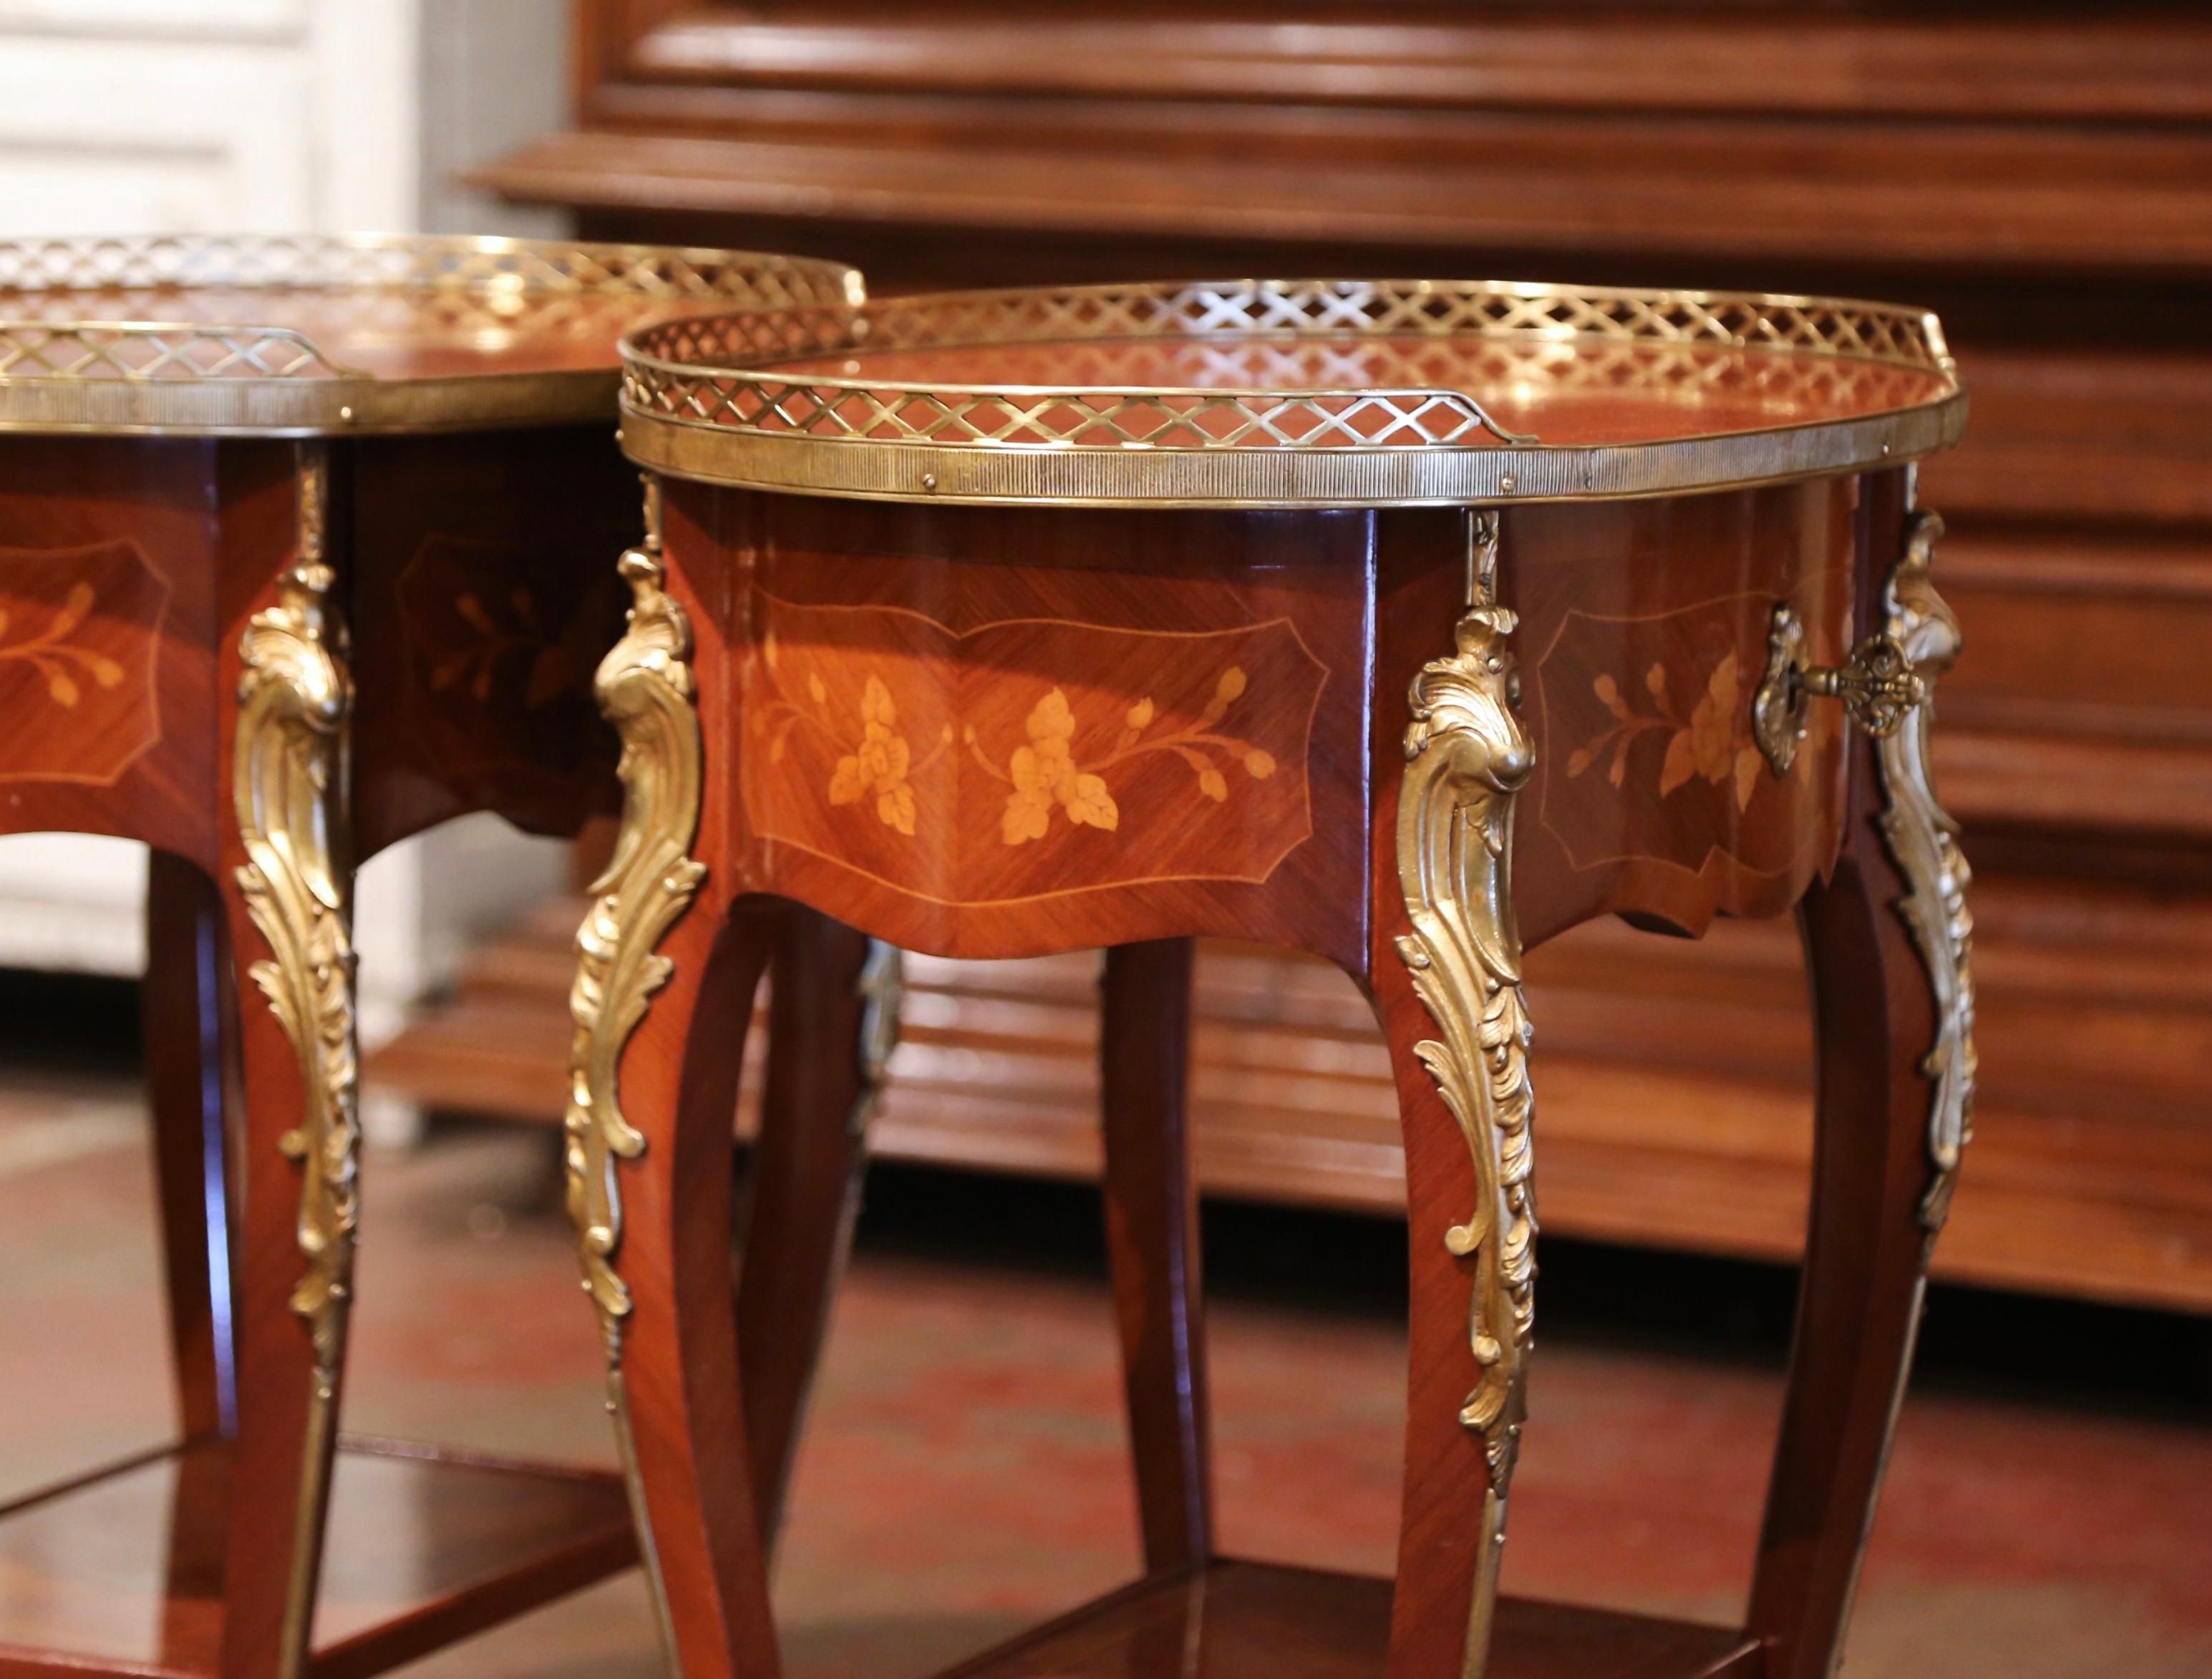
(122, 1571)
(2081, 705)
(484, 579)
(1920, 192)
(110, 550)
(2063, 432)
(998, 732)
(81, 628)
(1643, 637)
(1412, 55)
(185, 134)
(1676, 128)
(987, 731)
(894, 744)
(1245, 1620)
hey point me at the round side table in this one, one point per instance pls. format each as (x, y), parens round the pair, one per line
(302, 551)
(1405, 623)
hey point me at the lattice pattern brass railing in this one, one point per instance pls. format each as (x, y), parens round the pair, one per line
(430, 286)
(412, 262)
(722, 371)
(97, 350)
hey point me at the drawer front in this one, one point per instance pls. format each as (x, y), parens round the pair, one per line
(999, 732)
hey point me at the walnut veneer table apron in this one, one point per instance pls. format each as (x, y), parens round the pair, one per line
(1406, 624)
(317, 564)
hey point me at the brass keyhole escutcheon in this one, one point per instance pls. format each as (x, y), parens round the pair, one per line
(1877, 684)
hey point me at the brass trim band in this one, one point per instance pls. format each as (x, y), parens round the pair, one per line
(1258, 478)
(349, 404)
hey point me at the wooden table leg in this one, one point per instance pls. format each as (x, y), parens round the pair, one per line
(185, 999)
(287, 894)
(663, 992)
(1446, 981)
(1152, 1243)
(183, 1004)
(666, 1300)
(1865, 1262)
(1886, 941)
(833, 1021)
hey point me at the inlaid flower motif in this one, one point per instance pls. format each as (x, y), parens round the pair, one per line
(879, 765)
(508, 635)
(1044, 773)
(1713, 743)
(1192, 745)
(54, 658)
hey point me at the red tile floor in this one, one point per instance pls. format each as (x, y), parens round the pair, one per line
(962, 1474)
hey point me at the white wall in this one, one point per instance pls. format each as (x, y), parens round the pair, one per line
(169, 116)
(495, 74)
(271, 116)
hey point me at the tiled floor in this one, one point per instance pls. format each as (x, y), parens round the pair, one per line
(963, 1473)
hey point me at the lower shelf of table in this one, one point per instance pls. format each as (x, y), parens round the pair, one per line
(121, 1572)
(1258, 1620)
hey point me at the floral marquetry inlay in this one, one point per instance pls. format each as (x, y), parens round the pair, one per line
(1001, 763)
(497, 648)
(874, 761)
(1046, 774)
(79, 628)
(1711, 741)
(1656, 761)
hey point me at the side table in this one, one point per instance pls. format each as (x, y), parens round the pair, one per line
(1405, 623)
(310, 565)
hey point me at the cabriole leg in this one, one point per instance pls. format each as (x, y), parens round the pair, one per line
(832, 1022)
(288, 900)
(1887, 943)
(660, 1003)
(183, 1003)
(1449, 996)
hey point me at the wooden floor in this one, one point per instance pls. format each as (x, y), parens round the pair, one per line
(122, 1571)
(1262, 1621)
(964, 1474)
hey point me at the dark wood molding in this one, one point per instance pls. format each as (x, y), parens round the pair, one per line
(1707, 59)
(2017, 196)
